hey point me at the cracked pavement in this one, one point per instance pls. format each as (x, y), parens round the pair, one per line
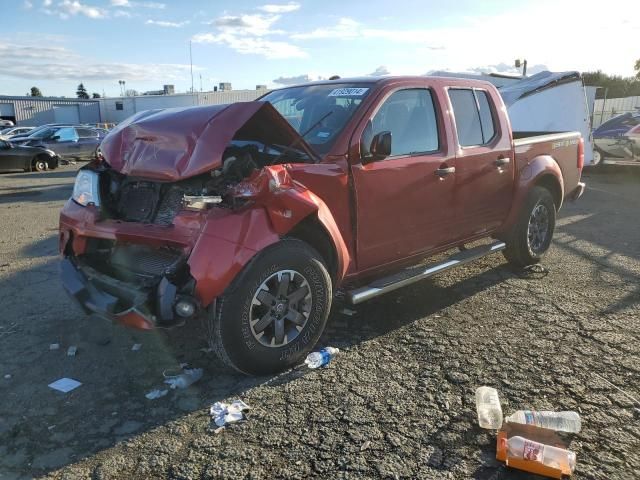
(398, 402)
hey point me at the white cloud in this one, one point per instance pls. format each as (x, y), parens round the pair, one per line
(258, 25)
(71, 8)
(379, 72)
(345, 28)
(304, 78)
(27, 5)
(122, 13)
(280, 8)
(39, 62)
(162, 23)
(252, 45)
(248, 34)
(130, 4)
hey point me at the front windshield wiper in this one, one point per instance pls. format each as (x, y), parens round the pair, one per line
(301, 137)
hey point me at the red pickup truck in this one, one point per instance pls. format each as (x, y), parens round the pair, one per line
(254, 214)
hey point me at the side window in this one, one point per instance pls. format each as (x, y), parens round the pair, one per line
(86, 133)
(486, 116)
(119, 106)
(467, 117)
(410, 117)
(67, 134)
(474, 118)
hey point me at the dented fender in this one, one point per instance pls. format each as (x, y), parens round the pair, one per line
(530, 175)
(275, 204)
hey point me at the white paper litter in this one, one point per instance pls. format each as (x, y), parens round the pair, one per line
(71, 351)
(223, 413)
(54, 346)
(136, 347)
(186, 378)
(157, 393)
(65, 384)
(348, 311)
(7, 376)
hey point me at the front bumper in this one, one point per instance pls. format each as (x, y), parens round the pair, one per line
(106, 297)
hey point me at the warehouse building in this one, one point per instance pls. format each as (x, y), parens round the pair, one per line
(34, 111)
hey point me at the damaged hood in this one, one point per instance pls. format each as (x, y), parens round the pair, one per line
(177, 143)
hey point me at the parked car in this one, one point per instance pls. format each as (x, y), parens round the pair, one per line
(36, 131)
(228, 212)
(6, 123)
(618, 137)
(79, 143)
(9, 132)
(17, 157)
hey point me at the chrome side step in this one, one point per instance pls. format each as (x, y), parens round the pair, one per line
(415, 274)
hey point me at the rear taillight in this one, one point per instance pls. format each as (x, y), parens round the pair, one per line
(581, 154)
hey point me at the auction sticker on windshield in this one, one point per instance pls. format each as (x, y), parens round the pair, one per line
(348, 92)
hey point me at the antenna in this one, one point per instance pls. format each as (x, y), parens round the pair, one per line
(191, 63)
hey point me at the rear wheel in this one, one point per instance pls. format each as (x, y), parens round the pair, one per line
(275, 311)
(531, 236)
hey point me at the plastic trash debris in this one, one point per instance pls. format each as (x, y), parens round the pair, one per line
(559, 421)
(223, 413)
(321, 358)
(54, 346)
(488, 408)
(65, 384)
(136, 347)
(7, 376)
(188, 377)
(558, 458)
(71, 351)
(157, 393)
(348, 311)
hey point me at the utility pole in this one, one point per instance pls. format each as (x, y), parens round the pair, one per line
(200, 82)
(191, 64)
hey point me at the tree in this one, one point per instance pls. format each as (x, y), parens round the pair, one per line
(95, 95)
(35, 92)
(637, 69)
(131, 93)
(615, 86)
(82, 92)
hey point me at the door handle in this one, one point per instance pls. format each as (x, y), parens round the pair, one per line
(502, 161)
(444, 171)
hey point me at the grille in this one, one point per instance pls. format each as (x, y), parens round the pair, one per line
(138, 201)
(169, 206)
(142, 260)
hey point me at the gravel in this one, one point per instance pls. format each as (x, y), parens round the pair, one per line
(397, 402)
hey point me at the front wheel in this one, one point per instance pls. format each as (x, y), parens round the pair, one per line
(275, 311)
(532, 234)
(40, 164)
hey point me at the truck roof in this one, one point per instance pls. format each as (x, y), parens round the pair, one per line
(390, 80)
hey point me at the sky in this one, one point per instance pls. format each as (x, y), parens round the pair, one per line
(56, 44)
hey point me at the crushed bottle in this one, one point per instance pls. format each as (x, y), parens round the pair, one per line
(186, 378)
(558, 421)
(489, 408)
(558, 458)
(321, 358)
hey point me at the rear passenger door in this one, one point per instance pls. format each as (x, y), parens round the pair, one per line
(484, 163)
(87, 142)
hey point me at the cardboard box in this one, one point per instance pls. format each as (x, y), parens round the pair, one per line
(537, 434)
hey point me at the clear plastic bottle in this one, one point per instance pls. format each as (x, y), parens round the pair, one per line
(559, 421)
(321, 358)
(554, 457)
(489, 408)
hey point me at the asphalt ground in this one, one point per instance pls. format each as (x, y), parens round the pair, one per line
(398, 402)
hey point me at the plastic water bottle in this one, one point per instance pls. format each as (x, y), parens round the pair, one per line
(321, 358)
(559, 421)
(554, 457)
(489, 408)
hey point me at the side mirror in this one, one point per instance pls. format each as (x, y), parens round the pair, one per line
(380, 147)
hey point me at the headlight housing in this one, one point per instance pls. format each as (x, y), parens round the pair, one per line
(85, 190)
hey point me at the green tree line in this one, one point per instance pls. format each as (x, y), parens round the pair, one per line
(616, 86)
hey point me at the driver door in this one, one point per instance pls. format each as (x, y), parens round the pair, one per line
(9, 159)
(65, 142)
(404, 204)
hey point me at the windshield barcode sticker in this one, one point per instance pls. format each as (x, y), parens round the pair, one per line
(348, 92)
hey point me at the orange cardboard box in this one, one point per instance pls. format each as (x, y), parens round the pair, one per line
(537, 434)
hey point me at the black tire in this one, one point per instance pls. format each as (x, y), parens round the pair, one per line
(40, 164)
(236, 341)
(527, 246)
(597, 151)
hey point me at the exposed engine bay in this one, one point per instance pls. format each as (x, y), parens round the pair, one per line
(133, 199)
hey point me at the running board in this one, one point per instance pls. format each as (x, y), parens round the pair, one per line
(415, 274)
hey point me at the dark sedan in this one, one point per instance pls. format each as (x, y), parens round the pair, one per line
(18, 157)
(69, 142)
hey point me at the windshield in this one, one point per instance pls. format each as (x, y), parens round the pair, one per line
(43, 133)
(319, 112)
